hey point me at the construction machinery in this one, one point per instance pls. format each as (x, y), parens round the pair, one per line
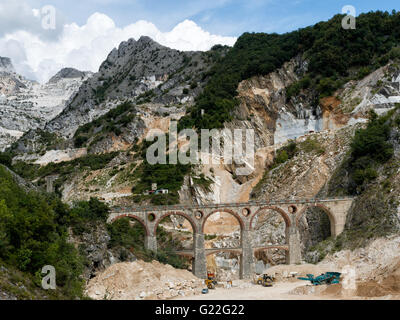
(210, 282)
(265, 280)
(325, 278)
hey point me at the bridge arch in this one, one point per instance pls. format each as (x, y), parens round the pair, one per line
(237, 216)
(331, 216)
(134, 217)
(328, 211)
(284, 215)
(175, 213)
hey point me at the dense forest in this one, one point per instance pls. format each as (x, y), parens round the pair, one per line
(33, 233)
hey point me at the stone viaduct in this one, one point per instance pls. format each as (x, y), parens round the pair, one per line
(245, 213)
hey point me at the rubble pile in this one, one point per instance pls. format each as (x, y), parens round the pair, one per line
(140, 280)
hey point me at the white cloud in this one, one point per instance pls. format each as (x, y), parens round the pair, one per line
(86, 47)
(18, 15)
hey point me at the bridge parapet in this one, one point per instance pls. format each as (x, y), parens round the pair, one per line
(228, 205)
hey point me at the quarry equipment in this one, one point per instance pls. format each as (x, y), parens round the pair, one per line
(325, 278)
(265, 280)
(210, 282)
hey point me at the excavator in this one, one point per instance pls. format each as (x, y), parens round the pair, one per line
(210, 282)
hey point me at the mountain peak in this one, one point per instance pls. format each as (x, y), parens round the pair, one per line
(146, 39)
(67, 73)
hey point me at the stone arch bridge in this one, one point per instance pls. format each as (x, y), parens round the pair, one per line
(245, 213)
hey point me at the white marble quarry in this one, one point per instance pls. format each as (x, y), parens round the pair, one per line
(27, 105)
(289, 127)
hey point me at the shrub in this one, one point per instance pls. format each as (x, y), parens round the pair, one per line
(80, 141)
(312, 145)
(394, 53)
(282, 157)
(123, 234)
(369, 148)
(363, 72)
(285, 153)
(364, 176)
(294, 89)
(326, 87)
(5, 159)
(372, 141)
(91, 210)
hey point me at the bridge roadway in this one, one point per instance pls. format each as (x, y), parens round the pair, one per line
(291, 210)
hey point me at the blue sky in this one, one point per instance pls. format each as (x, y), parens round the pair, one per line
(223, 17)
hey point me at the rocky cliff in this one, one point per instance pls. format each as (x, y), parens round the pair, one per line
(142, 72)
(129, 72)
(6, 65)
(27, 105)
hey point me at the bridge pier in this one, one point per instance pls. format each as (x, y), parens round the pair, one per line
(199, 262)
(293, 240)
(247, 265)
(150, 243)
(340, 219)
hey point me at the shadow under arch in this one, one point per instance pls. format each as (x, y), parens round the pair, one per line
(175, 213)
(134, 217)
(329, 213)
(238, 218)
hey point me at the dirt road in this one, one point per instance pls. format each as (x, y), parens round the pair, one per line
(280, 291)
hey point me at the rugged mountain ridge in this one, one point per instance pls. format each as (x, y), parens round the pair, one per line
(27, 105)
(140, 72)
(132, 70)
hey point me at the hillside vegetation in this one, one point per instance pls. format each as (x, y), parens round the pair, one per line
(370, 172)
(335, 56)
(34, 232)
